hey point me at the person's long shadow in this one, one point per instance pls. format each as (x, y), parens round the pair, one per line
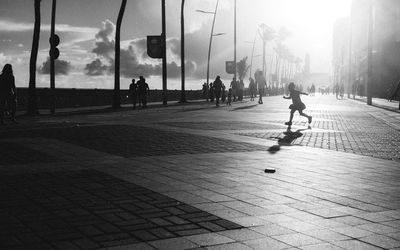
(287, 140)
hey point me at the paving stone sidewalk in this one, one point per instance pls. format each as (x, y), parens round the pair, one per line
(192, 177)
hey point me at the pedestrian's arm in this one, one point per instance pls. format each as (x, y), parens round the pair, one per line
(303, 93)
(13, 88)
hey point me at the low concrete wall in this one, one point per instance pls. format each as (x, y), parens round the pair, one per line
(70, 98)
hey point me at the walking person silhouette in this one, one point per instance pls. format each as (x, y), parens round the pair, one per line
(133, 92)
(143, 89)
(8, 93)
(297, 104)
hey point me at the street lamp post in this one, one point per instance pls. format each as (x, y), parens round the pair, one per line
(370, 48)
(211, 36)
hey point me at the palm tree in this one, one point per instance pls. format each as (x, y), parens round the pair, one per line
(242, 68)
(32, 104)
(183, 96)
(117, 94)
(267, 34)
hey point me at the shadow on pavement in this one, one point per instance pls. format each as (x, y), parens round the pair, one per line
(287, 140)
(245, 107)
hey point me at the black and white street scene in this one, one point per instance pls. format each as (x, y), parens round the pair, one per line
(212, 124)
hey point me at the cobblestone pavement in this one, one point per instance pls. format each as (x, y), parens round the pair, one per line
(342, 129)
(89, 209)
(192, 177)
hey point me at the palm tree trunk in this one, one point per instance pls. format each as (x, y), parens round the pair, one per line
(32, 102)
(117, 94)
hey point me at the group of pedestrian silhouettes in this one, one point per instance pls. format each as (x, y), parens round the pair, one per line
(138, 93)
(139, 90)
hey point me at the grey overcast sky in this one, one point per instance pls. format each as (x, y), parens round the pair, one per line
(86, 28)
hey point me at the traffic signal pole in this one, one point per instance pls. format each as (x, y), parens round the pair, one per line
(52, 59)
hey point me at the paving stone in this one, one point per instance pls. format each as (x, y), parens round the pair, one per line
(297, 239)
(209, 239)
(355, 245)
(242, 234)
(266, 243)
(325, 246)
(141, 246)
(229, 246)
(381, 241)
(173, 244)
(353, 232)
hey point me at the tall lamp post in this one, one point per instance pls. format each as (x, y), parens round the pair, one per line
(211, 36)
(370, 47)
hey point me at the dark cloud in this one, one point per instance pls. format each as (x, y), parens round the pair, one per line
(130, 65)
(61, 67)
(96, 68)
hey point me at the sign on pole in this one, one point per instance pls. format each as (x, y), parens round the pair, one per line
(230, 67)
(154, 46)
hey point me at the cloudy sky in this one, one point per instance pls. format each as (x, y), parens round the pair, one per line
(87, 27)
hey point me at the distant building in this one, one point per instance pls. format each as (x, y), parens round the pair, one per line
(350, 64)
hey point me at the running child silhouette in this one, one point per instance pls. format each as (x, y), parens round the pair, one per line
(297, 104)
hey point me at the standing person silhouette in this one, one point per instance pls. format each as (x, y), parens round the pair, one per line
(133, 92)
(143, 88)
(234, 88)
(261, 84)
(217, 89)
(252, 89)
(8, 92)
(297, 104)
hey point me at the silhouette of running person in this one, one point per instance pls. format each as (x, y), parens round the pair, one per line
(133, 92)
(297, 104)
(143, 88)
(8, 92)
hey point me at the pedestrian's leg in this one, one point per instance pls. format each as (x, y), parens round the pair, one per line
(305, 115)
(290, 118)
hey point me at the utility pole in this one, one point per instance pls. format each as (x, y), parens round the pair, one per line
(370, 47)
(164, 55)
(52, 59)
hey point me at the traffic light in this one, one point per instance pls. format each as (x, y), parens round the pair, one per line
(154, 46)
(54, 42)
